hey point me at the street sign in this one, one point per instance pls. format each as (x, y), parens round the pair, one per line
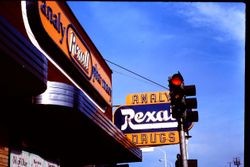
(148, 98)
(144, 118)
(147, 125)
(147, 120)
(154, 138)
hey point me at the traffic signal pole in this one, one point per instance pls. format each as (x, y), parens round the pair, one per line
(183, 148)
(182, 110)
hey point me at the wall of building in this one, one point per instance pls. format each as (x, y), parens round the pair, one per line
(4, 156)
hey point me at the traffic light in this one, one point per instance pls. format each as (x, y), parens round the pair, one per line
(178, 162)
(191, 103)
(177, 95)
(191, 162)
(182, 105)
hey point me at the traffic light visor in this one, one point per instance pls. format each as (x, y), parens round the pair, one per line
(176, 80)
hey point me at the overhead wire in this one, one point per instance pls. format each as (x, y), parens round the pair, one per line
(130, 71)
(133, 77)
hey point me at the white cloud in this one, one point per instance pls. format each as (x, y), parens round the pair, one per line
(225, 17)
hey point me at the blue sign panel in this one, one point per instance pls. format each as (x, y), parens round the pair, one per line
(145, 118)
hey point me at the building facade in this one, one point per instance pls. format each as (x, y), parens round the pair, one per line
(56, 90)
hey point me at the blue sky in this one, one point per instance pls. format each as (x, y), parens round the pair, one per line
(204, 41)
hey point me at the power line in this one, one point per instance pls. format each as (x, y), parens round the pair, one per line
(133, 77)
(149, 80)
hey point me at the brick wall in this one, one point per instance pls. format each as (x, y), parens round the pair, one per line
(4, 156)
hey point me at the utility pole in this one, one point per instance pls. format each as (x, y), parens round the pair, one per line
(165, 156)
(237, 162)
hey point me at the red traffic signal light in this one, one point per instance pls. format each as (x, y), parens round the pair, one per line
(176, 80)
(176, 95)
(176, 88)
(180, 102)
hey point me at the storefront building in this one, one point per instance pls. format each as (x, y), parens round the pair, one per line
(56, 107)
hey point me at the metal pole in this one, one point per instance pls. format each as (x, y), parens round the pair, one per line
(183, 149)
(165, 159)
(165, 156)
